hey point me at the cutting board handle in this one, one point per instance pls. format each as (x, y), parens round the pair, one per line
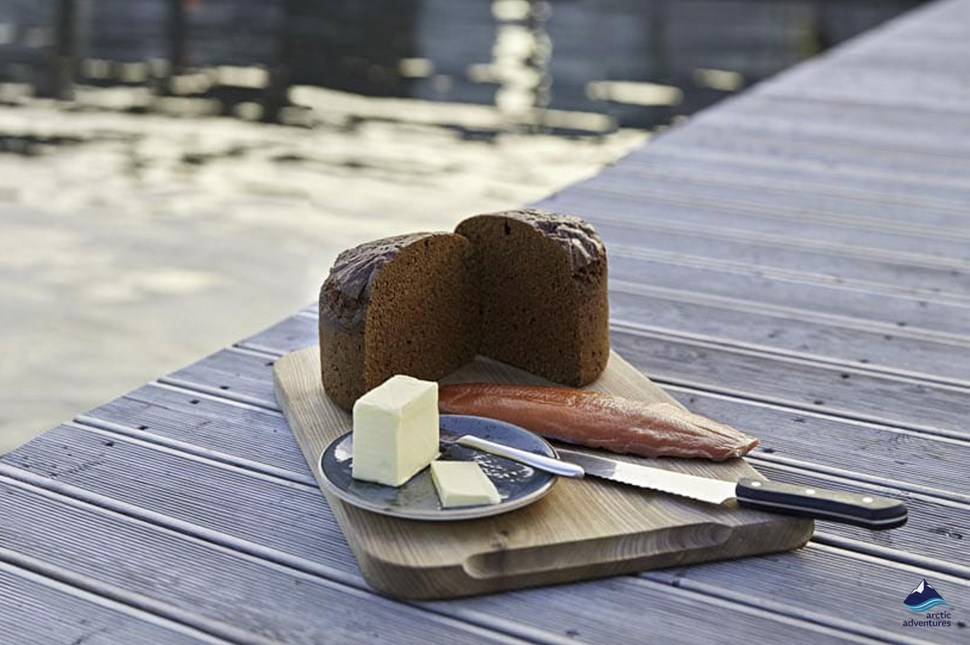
(599, 555)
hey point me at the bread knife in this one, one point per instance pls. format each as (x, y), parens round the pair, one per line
(860, 509)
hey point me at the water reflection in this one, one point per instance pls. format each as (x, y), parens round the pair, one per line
(574, 65)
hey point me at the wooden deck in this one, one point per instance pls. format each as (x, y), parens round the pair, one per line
(794, 261)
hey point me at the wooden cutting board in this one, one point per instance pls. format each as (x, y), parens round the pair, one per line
(582, 529)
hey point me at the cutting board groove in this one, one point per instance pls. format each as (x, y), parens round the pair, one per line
(581, 529)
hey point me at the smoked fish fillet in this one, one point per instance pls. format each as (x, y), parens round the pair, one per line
(598, 420)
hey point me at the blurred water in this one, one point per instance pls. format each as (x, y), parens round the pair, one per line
(141, 229)
(523, 56)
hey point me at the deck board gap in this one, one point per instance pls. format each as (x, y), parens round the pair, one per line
(182, 449)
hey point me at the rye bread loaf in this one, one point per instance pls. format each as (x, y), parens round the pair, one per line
(401, 305)
(524, 287)
(543, 291)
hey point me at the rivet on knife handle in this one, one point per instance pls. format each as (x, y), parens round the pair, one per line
(541, 462)
(860, 509)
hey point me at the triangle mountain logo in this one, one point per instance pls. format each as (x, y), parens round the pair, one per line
(923, 598)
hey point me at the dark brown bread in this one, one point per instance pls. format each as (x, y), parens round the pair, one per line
(401, 305)
(542, 279)
(524, 287)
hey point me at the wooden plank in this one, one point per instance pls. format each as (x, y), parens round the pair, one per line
(873, 193)
(600, 206)
(288, 335)
(794, 332)
(934, 409)
(942, 523)
(316, 545)
(244, 435)
(543, 615)
(918, 185)
(877, 275)
(884, 142)
(271, 512)
(946, 133)
(825, 444)
(848, 154)
(879, 606)
(886, 311)
(292, 525)
(923, 90)
(822, 207)
(232, 373)
(716, 173)
(627, 608)
(39, 610)
(203, 583)
(914, 56)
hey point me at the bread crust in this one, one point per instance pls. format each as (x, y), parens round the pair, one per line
(526, 287)
(402, 305)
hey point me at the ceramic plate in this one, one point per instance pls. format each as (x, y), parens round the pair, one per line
(417, 499)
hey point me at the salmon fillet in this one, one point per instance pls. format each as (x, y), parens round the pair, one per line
(598, 420)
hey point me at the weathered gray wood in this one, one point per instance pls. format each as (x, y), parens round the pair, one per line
(288, 335)
(878, 605)
(761, 173)
(314, 544)
(930, 408)
(206, 584)
(798, 333)
(908, 165)
(821, 443)
(908, 129)
(236, 374)
(924, 90)
(244, 435)
(856, 196)
(876, 275)
(279, 520)
(271, 512)
(942, 523)
(761, 286)
(916, 218)
(35, 610)
(601, 206)
(794, 168)
(288, 605)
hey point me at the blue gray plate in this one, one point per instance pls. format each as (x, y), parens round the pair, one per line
(417, 499)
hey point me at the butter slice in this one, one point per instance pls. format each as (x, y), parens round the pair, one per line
(462, 483)
(395, 430)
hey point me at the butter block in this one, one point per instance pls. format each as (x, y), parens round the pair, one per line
(463, 483)
(395, 430)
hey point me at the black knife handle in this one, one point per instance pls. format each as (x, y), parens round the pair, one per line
(870, 511)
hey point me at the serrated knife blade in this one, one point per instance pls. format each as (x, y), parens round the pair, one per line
(704, 489)
(860, 509)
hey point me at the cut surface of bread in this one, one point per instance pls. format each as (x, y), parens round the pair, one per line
(543, 294)
(405, 305)
(524, 287)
